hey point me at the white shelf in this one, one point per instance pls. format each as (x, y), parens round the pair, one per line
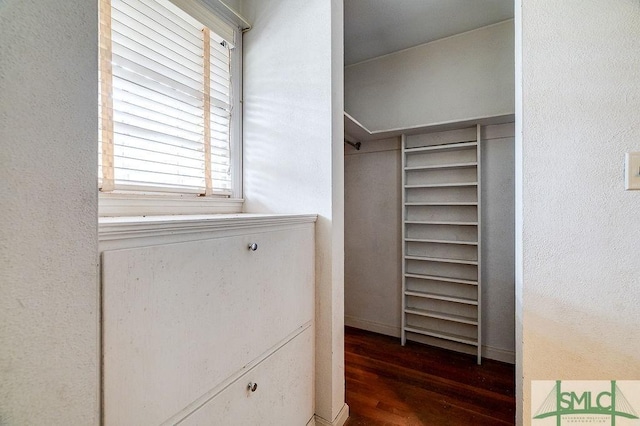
(447, 147)
(441, 203)
(457, 174)
(439, 222)
(442, 316)
(441, 335)
(423, 240)
(356, 129)
(442, 185)
(433, 296)
(443, 260)
(443, 279)
(443, 166)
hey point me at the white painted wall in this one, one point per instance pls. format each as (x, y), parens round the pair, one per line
(463, 77)
(49, 367)
(580, 281)
(519, 179)
(293, 151)
(498, 247)
(373, 237)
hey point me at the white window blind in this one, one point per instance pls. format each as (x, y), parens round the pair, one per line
(165, 101)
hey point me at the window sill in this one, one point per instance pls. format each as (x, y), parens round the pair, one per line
(126, 232)
(114, 204)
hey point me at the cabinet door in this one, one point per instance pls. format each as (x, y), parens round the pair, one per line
(179, 319)
(283, 395)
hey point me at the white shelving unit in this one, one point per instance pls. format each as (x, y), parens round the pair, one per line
(441, 272)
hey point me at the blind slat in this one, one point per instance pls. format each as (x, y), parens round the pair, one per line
(164, 163)
(143, 97)
(126, 58)
(219, 73)
(179, 173)
(219, 107)
(165, 58)
(160, 108)
(222, 120)
(161, 147)
(164, 20)
(220, 67)
(142, 133)
(220, 90)
(160, 117)
(219, 135)
(156, 181)
(152, 90)
(145, 32)
(120, 116)
(150, 28)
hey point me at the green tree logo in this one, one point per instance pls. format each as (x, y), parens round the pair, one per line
(611, 403)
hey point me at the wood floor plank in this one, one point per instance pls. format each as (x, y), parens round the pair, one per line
(483, 400)
(415, 385)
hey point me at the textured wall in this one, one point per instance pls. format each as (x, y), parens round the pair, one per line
(293, 151)
(580, 113)
(498, 251)
(462, 77)
(373, 237)
(48, 220)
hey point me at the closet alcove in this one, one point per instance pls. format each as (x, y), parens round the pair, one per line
(429, 234)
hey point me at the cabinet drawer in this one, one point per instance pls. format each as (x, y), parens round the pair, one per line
(283, 396)
(179, 319)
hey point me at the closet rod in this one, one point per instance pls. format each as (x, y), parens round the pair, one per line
(356, 145)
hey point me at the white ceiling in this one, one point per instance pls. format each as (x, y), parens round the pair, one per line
(376, 27)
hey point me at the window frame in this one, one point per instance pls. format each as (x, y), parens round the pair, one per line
(121, 202)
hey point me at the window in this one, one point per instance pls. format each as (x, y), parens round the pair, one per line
(168, 110)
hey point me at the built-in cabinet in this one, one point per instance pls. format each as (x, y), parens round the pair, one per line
(211, 327)
(441, 276)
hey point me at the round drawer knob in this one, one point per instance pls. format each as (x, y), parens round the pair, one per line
(252, 386)
(253, 246)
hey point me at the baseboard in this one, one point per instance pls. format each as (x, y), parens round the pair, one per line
(489, 352)
(375, 327)
(498, 354)
(340, 419)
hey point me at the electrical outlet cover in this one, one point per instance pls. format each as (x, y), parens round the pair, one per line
(632, 172)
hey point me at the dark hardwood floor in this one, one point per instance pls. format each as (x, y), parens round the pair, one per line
(388, 384)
